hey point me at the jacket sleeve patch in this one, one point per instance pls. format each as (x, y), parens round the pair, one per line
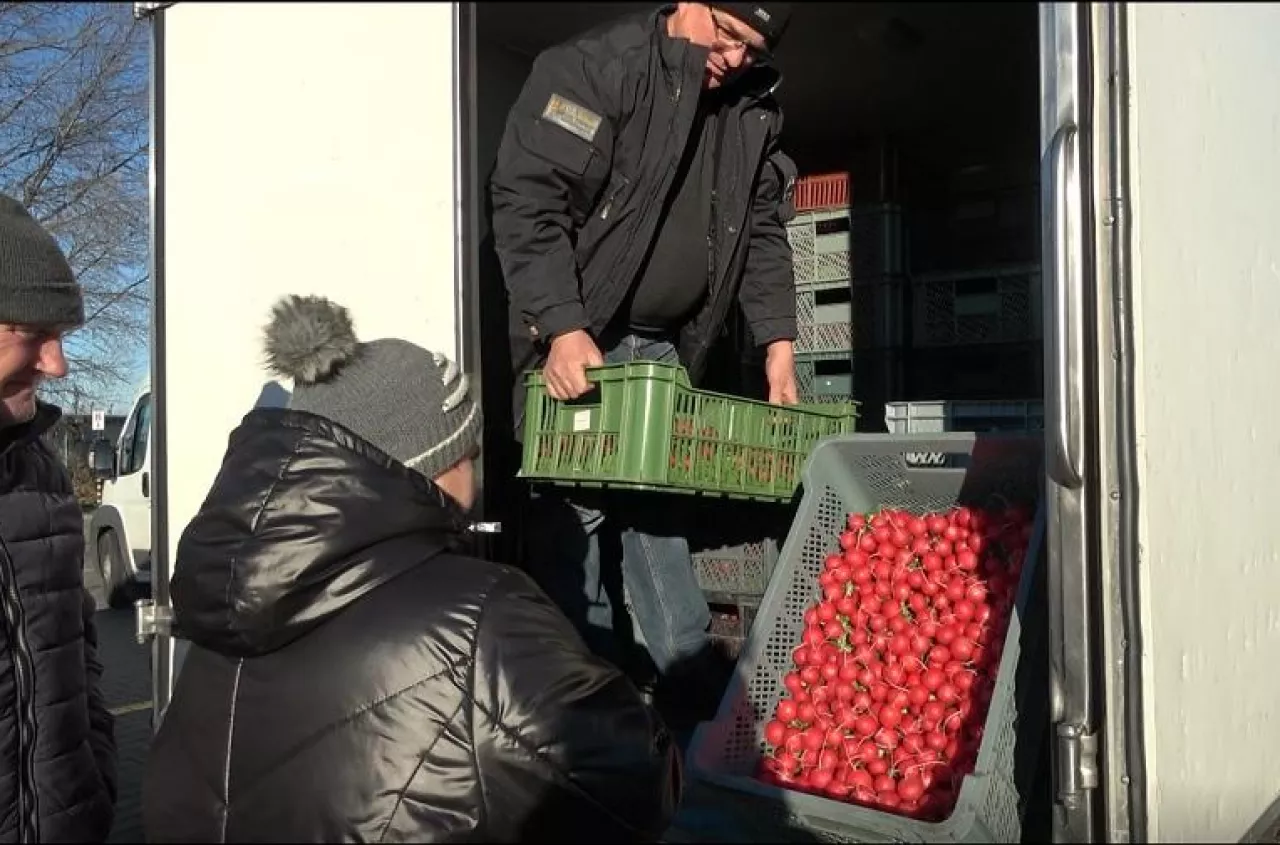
(570, 116)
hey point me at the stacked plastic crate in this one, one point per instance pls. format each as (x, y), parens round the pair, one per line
(848, 292)
(735, 549)
(976, 303)
(933, 417)
(849, 302)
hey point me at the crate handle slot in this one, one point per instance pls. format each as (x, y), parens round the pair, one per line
(592, 398)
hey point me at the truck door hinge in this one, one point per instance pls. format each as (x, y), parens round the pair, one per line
(1077, 762)
(142, 10)
(152, 620)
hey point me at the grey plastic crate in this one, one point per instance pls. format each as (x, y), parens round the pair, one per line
(862, 473)
(824, 321)
(835, 317)
(820, 246)
(731, 629)
(994, 305)
(741, 570)
(932, 417)
(824, 386)
(839, 244)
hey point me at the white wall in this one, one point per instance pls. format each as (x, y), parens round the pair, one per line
(308, 149)
(1206, 166)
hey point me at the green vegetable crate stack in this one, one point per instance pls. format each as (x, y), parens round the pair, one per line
(644, 427)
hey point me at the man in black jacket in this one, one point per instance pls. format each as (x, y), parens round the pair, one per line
(354, 676)
(58, 769)
(639, 190)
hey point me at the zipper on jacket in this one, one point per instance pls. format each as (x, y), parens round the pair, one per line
(24, 674)
(613, 195)
(716, 305)
(673, 162)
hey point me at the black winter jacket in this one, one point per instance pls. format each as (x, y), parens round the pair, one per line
(57, 750)
(353, 680)
(575, 210)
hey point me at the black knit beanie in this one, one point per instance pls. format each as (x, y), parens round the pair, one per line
(37, 287)
(768, 19)
(411, 403)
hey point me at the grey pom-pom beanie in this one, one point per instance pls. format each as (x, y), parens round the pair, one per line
(413, 404)
(37, 287)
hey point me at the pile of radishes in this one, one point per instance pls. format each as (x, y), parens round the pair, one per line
(897, 663)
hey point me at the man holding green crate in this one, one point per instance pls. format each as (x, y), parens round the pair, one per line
(639, 192)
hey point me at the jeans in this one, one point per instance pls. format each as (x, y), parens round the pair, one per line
(589, 548)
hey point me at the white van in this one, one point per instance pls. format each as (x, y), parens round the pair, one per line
(119, 539)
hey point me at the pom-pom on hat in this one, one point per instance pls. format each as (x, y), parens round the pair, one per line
(411, 403)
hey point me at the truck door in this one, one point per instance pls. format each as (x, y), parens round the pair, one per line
(295, 149)
(1095, 638)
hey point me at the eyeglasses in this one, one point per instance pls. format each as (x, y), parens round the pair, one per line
(726, 39)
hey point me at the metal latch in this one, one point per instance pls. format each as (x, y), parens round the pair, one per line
(1077, 763)
(151, 620)
(485, 528)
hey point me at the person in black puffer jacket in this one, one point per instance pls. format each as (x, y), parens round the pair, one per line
(57, 749)
(352, 676)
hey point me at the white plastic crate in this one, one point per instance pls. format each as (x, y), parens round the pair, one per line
(935, 417)
(995, 305)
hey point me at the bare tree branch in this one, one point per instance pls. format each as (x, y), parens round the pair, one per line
(73, 149)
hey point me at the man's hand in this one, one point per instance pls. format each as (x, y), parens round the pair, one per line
(565, 372)
(780, 370)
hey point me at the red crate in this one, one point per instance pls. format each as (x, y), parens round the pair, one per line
(822, 191)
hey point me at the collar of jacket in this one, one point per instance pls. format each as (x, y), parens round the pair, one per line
(16, 435)
(682, 59)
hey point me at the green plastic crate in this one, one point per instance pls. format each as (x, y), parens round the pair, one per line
(643, 427)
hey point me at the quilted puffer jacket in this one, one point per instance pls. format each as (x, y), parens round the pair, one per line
(57, 749)
(354, 679)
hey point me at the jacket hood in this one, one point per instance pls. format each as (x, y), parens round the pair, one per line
(303, 519)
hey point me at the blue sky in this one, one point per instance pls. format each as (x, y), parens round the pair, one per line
(52, 59)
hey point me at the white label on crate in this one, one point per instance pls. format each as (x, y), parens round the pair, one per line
(926, 459)
(582, 420)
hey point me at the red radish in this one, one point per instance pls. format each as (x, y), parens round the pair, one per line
(896, 664)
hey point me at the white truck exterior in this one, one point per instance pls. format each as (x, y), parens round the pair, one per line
(1161, 150)
(119, 538)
